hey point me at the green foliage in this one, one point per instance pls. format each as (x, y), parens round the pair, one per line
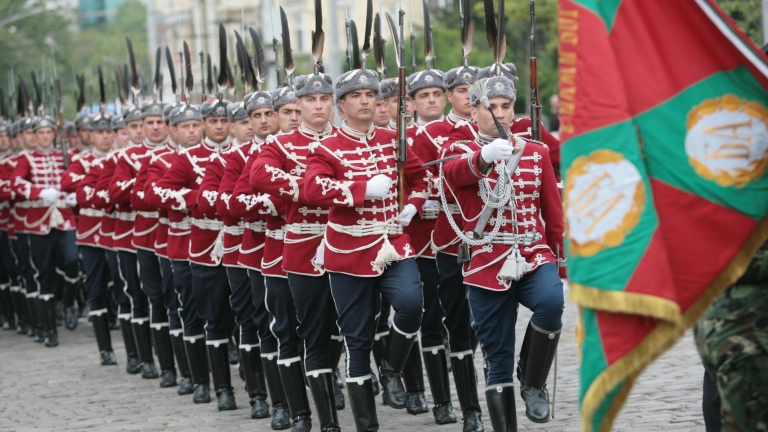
(747, 15)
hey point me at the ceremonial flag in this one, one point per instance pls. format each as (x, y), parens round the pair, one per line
(665, 127)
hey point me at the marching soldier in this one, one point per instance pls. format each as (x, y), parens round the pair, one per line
(279, 171)
(514, 262)
(84, 142)
(365, 250)
(50, 221)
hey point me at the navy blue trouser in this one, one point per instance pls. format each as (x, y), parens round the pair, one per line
(357, 303)
(317, 316)
(170, 298)
(432, 322)
(241, 301)
(182, 283)
(152, 285)
(129, 271)
(262, 317)
(494, 314)
(118, 284)
(26, 271)
(453, 299)
(279, 302)
(97, 276)
(54, 250)
(211, 290)
(8, 265)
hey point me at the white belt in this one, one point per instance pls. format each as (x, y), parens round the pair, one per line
(163, 220)
(511, 239)
(148, 215)
(208, 224)
(375, 228)
(126, 216)
(452, 209)
(235, 230)
(41, 204)
(4, 204)
(259, 226)
(430, 213)
(90, 212)
(278, 234)
(305, 228)
(182, 226)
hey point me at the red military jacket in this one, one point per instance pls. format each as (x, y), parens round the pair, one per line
(234, 227)
(362, 236)
(128, 221)
(148, 225)
(34, 172)
(539, 225)
(263, 217)
(173, 241)
(89, 218)
(181, 186)
(7, 195)
(98, 179)
(279, 171)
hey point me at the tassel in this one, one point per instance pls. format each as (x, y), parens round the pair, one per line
(56, 218)
(514, 266)
(319, 258)
(218, 247)
(464, 255)
(386, 256)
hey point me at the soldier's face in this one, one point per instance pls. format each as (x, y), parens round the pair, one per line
(73, 140)
(85, 135)
(5, 142)
(135, 130)
(102, 140)
(29, 139)
(44, 137)
(289, 117)
(263, 122)
(459, 98)
(216, 128)
(155, 129)
(359, 106)
(172, 133)
(393, 104)
(243, 130)
(189, 133)
(122, 138)
(503, 108)
(430, 103)
(316, 109)
(381, 119)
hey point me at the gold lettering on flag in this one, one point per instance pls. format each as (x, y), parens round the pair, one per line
(727, 140)
(604, 197)
(568, 27)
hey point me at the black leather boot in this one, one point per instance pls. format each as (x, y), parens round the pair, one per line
(391, 370)
(36, 305)
(378, 350)
(253, 373)
(413, 378)
(465, 378)
(322, 387)
(536, 357)
(71, 313)
(198, 368)
(292, 376)
(141, 335)
(7, 308)
(501, 408)
(337, 348)
(281, 416)
(437, 373)
(218, 356)
(162, 340)
(133, 365)
(363, 405)
(234, 355)
(23, 313)
(100, 322)
(49, 319)
(186, 386)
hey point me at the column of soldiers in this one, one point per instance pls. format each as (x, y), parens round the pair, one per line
(257, 233)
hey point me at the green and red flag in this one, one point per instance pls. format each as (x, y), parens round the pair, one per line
(665, 129)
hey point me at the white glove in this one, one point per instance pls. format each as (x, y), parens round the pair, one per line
(409, 211)
(71, 200)
(49, 194)
(431, 205)
(499, 150)
(378, 187)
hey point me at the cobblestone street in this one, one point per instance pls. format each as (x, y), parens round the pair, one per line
(65, 388)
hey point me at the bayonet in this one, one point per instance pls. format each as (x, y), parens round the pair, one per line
(59, 107)
(429, 49)
(349, 47)
(202, 63)
(318, 38)
(274, 45)
(157, 83)
(135, 86)
(378, 46)
(190, 81)
(102, 92)
(534, 80)
(172, 73)
(355, 46)
(367, 35)
(413, 40)
(467, 31)
(288, 64)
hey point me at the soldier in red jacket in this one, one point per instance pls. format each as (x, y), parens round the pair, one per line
(50, 221)
(513, 260)
(366, 253)
(181, 189)
(279, 171)
(88, 225)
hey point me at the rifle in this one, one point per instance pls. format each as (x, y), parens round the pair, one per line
(413, 38)
(535, 104)
(402, 144)
(202, 63)
(59, 108)
(349, 51)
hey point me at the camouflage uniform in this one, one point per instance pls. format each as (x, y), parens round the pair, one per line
(732, 338)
